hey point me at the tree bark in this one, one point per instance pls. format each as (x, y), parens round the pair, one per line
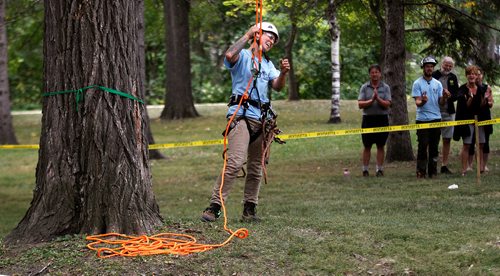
(93, 173)
(376, 8)
(399, 143)
(153, 154)
(179, 101)
(7, 135)
(331, 14)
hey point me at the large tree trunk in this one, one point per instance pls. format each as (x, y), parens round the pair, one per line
(293, 86)
(331, 14)
(153, 154)
(399, 143)
(7, 135)
(92, 174)
(179, 101)
(376, 8)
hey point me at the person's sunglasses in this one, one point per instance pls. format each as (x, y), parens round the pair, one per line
(271, 36)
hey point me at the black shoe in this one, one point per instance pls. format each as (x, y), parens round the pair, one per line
(211, 213)
(420, 174)
(249, 213)
(380, 173)
(365, 173)
(445, 170)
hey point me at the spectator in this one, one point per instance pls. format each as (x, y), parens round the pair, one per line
(428, 95)
(471, 99)
(375, 100)
(450, 86)
(485, 114)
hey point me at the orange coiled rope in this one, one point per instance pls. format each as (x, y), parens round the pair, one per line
(115, 244)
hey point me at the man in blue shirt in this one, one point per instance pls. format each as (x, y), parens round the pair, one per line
(246, 135)
(428, 95)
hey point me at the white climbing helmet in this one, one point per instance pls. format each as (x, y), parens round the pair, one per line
(426, 60)
(269, 27)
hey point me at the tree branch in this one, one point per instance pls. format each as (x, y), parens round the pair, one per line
(455, 10)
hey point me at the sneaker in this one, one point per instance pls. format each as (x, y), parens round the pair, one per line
(249, 213)
(445, 170)
(211, 213)
(365, 173)
(486, 169)
(469, 169)
(380, 173)
(420, 175)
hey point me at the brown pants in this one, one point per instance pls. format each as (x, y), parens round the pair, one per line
(238, 151)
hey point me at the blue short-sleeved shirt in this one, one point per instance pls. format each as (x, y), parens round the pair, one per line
(434, 89)
(241, 74)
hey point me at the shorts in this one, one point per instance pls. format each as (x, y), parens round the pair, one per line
(379, 138)
(447, 132)
(468, 140)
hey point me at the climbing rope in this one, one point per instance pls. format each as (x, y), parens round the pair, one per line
(115, 244)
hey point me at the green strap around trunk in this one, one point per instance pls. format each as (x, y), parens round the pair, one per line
(80, 91)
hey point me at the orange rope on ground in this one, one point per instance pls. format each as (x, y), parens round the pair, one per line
(115, 244)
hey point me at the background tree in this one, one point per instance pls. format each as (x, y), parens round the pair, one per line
(331, 17)
(153, 154)
(459, 29)
(213, 25)
(377, 8)
(25, 32)
(178, 97)
(7, 135)
(399, 143)
(93, 174)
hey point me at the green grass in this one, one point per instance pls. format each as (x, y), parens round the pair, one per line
(315, 220)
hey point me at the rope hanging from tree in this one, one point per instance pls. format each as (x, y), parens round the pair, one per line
(115, 244)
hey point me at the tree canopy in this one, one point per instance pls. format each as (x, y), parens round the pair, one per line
(462, 29)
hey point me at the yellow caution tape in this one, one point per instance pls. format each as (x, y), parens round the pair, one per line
(187, 144)
(305, 135)
(489, 122)
(19, 147)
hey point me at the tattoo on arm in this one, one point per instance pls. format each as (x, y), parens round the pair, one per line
(236, 48)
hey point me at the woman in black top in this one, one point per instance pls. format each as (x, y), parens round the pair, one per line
(485, 114)
(471, 99)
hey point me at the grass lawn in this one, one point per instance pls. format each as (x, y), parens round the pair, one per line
(315, 220)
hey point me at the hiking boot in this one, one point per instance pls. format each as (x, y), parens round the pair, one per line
(249, 213)
(365, 173)
(211, 213)
(380, 173)
(445, 170)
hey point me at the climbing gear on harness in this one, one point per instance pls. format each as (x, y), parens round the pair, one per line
(270, 130)
(254, 134)
(235, 100)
